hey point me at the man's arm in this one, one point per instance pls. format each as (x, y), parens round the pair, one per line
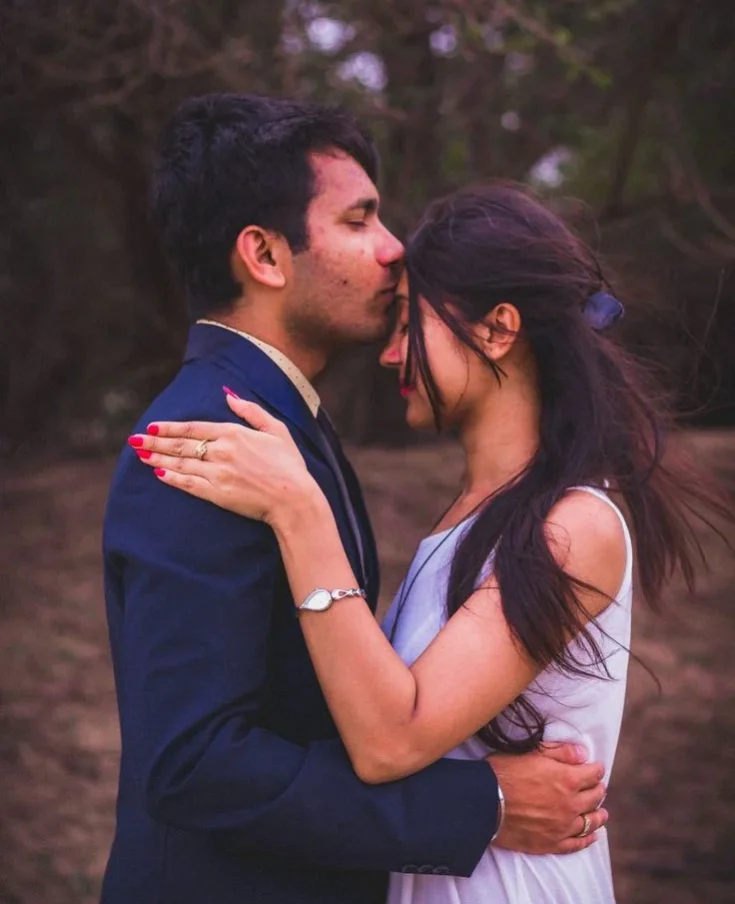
(198, 587)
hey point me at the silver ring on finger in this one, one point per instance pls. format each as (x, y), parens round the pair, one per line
(201, 449)
(586, 828)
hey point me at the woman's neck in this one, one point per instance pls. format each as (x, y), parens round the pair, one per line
(501, 439)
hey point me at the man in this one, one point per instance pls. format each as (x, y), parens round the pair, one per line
(234, 786)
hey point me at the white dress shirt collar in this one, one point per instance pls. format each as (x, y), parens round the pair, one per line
(307, 391)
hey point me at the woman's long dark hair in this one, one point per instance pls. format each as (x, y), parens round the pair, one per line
(601, 419)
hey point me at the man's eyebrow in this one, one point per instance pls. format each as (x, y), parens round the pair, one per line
(368, 205)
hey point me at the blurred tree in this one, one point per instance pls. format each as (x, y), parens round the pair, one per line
(623, 103)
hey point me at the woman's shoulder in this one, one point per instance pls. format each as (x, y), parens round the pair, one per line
(587, 535)
(588, 517)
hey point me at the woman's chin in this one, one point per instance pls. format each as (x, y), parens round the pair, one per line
(420, 421)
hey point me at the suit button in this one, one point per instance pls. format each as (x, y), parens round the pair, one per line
(409, 868)
(427, 868)
(441, 871)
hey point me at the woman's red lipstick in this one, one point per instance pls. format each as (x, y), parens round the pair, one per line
(407, 390)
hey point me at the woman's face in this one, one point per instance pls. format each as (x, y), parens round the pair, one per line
(462, 379)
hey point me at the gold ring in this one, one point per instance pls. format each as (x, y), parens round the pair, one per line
(201, 450)
(585, 828)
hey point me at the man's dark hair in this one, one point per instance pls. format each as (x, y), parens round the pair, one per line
(228, 161)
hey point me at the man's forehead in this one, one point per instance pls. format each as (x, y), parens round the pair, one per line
(340, 179)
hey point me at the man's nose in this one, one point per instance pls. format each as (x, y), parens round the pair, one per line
(390, 251)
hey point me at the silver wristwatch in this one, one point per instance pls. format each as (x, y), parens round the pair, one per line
(320, 600)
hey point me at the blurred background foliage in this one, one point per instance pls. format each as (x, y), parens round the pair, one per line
(620, 110)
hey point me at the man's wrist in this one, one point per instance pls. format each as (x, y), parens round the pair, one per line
(501, 814)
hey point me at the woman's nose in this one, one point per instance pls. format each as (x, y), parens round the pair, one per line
(391, 354)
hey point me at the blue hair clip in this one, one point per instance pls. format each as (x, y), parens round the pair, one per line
(601, 310)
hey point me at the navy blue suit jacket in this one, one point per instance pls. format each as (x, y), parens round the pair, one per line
(234, 785)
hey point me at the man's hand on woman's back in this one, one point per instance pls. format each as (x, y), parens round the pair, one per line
(547, 794)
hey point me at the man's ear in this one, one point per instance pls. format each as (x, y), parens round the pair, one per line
(262, 256)
(501, 328)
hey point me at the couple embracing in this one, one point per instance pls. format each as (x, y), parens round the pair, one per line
(279, 744)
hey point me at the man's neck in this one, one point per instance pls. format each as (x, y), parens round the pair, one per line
(309, 361)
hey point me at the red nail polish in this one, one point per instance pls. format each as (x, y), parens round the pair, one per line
(159, 472)
(153, 429)
(144, 453)
(228, 391)
(135, 441)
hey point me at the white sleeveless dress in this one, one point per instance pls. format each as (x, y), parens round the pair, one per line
(588, 710)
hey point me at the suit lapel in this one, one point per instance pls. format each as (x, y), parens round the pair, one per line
(372, 563)
(370, 552)
(262, 375)
(265, 380)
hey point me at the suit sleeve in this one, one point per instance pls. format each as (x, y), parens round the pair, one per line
(198, 587)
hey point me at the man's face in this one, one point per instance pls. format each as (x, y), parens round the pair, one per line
(343, 284)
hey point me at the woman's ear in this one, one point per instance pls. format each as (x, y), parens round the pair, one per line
(501, 329)
(262, 256)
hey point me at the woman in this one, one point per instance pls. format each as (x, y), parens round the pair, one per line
(513, 623)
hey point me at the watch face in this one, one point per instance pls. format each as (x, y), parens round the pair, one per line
(318, 601)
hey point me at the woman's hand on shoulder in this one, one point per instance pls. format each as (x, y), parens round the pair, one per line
(255, 470)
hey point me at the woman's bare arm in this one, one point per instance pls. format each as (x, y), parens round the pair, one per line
(394, 720)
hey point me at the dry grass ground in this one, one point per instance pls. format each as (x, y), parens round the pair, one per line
(673, 819)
